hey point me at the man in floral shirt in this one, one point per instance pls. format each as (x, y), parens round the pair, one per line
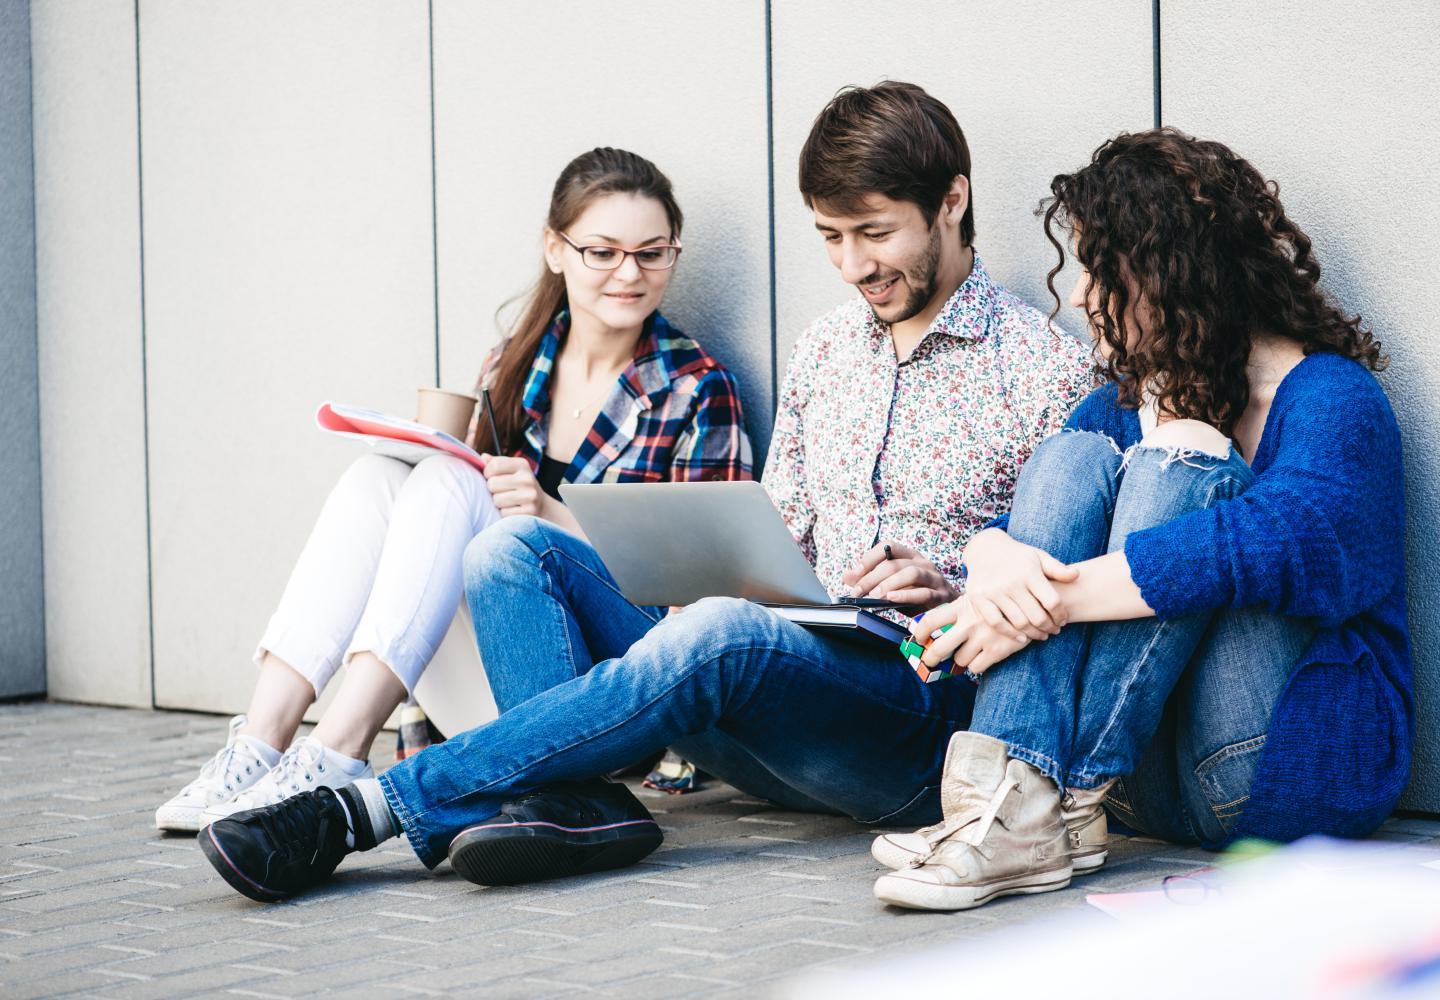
(905, 417)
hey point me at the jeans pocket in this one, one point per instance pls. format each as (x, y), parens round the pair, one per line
(1225, 778)
(1118, 798)
(922, 810)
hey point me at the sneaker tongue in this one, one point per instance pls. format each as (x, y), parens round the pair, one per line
(974, 768)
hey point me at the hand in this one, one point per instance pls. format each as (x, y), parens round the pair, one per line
(1011, 584)
(895, 572)
(513, 487)
(975, 644)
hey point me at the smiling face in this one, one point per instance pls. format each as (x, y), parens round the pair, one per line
(621, 299)
(888, 252)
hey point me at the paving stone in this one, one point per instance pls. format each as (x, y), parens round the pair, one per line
(742, 895)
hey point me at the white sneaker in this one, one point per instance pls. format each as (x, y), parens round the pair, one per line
(235, 767)
(303, 768)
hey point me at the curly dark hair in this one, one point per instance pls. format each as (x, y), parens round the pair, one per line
(1200, 240)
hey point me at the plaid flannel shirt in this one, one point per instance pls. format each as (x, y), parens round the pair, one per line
(673, 415)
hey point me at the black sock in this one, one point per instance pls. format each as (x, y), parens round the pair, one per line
(360, 827)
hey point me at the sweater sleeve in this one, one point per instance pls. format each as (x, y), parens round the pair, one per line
(1319, 534)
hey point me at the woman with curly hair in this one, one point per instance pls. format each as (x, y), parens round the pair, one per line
(1194, 615)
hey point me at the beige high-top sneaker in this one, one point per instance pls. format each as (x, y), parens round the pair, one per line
(1084, 812)
(1003, 834)
(1085, 825)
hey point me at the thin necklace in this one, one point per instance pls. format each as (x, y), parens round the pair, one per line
(576, 413)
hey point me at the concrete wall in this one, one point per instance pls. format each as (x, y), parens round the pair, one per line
(22, 613)
(338, 196)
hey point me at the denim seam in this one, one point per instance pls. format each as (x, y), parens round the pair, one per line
(925, 790)
(1085, 774)
(1046, 766)
(549, 583)
(608, 584)
(415, 829)
(1226, 752)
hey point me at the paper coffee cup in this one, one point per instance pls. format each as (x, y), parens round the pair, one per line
(446, 411)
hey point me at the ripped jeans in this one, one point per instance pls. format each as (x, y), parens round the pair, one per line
(1177, 709)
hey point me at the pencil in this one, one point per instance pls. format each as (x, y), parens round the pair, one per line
(490, 416)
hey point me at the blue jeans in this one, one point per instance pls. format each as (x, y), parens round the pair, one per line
(1177, 709)
(587, 682)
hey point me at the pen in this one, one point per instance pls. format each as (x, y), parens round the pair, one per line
(490, 416)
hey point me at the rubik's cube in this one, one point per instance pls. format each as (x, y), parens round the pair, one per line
(913, 649)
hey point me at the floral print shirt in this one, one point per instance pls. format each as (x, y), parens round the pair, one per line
(923, 452)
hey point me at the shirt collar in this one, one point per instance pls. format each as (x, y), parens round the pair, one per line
(663, 355)
(965, 315)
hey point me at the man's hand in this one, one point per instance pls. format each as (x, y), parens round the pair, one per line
(514, 488)
(895, 572)
(975, 644)
(1011, 584)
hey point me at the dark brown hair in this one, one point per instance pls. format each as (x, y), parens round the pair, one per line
(599, 172)
(1199, 240)
(891, 139)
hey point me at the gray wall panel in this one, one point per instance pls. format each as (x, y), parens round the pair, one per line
(1341, 111)
(521, 89)
(22, 612)
(1022, 79)
(87, 206)
(288, 261)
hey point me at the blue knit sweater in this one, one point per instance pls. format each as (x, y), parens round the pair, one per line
(1320, 535)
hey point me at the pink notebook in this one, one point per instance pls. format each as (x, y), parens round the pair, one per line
(392, 436)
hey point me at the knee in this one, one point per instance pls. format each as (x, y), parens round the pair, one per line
(503, 544)
(715, 626)
(446, 473)
(369, 473)
(1188, 436)
(1069, 452)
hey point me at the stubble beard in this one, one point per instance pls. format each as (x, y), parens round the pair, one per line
(921, 279)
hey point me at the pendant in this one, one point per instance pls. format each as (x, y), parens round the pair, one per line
(575, 414)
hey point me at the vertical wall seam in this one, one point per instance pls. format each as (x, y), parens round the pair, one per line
(1155, 59)
(35, 313)
(144, 366)
(434, 194)
(770, 184)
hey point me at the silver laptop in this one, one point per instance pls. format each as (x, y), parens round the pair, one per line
(674, 543)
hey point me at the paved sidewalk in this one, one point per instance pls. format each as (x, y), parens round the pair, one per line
(94, 902)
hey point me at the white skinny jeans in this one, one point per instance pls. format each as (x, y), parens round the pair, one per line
(381, 572)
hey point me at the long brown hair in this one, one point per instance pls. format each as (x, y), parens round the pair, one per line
(1199, 240)
(590, 175)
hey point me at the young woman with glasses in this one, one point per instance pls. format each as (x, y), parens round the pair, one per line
(593, 384)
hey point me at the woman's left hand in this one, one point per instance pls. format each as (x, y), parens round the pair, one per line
(514, 488)
(975, 644)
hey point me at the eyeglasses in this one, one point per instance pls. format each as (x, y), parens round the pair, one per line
(599, 257)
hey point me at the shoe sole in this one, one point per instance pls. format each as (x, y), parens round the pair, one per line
(178, 819)
(913, 894)
(238, 881)
(520, 853)
(895, 857)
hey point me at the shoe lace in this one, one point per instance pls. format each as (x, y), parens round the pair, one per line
(301, 825)
(973, 829)
(300, 760)
(224, 764)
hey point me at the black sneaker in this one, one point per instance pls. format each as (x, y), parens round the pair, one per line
(277, 851)
(569, 828)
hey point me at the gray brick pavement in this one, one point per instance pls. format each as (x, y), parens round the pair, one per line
(94, 902)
